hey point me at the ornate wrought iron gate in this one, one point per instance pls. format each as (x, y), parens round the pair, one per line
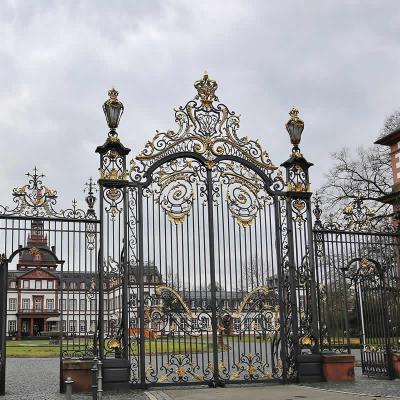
(359, 287)
(207, 272)
(49, 272)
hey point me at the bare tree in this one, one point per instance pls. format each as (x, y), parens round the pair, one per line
(366, 174)
(391, 123)
(254, 274)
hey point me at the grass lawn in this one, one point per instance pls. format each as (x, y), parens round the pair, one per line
(42, 348)
(37, 348)
(22, 351)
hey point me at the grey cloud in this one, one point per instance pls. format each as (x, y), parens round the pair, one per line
(337, 61)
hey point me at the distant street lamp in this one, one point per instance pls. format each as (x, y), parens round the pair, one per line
(113, 110)
(295, 128)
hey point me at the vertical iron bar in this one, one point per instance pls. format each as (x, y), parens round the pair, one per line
(142, 369)
(313, 287)
(125, 294)
(101, 276)
(211, 239)
(3, 317)
(386, 327)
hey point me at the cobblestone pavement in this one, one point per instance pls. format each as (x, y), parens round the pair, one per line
(38, 379)
(364, 385)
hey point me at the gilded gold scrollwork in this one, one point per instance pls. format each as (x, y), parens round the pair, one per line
(204, 128)
(174, 188)
(245, 192)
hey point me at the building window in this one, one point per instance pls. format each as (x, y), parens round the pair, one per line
(12, 304)
(12, 285)
(25, 284)
(64, 326)
(72, 304)
(38, 284)
(132, 299)
(93, 304)
(72, 285)
(12, 327)
(50, 284)
(63, 304)
(26, 304)
(204, 322)
(82, 285)
(82, 326)
(237, 324)
(50, 304)
(72, 326)
(38, 304)
(93, 326)
(194, 324)
(82, 304)
(32, 284)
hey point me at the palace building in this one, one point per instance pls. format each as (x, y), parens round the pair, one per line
(34, 304)
(43, 299)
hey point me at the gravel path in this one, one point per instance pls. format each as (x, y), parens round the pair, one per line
(38, 379)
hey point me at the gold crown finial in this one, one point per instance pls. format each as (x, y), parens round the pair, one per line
(113, 93)
(294, 113)
(206, 88)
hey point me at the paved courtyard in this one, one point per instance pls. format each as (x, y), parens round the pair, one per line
(37, 379)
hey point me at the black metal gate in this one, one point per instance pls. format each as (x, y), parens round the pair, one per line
(49, 273)
(201, 265)
(358, 269)
(206, 253)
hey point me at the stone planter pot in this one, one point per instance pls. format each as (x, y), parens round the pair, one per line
(80, 372)
(396, 364)
(338, 367)
(309, 368)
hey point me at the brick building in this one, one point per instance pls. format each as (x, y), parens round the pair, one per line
(392, 140)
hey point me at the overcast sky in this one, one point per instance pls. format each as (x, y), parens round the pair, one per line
(337, 61)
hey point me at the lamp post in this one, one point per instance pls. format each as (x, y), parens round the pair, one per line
(113, 198)
(113, 110)
(295, 127)
(301, 269)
